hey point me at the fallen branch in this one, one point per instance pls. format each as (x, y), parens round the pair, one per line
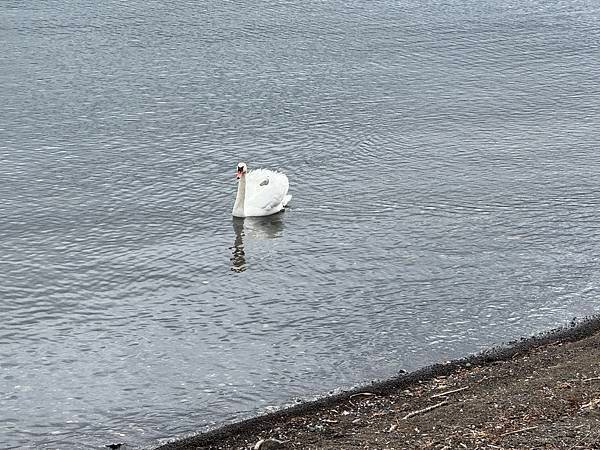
(443, 394)
(424, 410)
(519, 431)
(591, 379)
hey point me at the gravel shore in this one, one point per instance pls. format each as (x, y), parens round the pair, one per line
(539, 393)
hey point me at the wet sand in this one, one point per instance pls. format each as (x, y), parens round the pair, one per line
(537, 393)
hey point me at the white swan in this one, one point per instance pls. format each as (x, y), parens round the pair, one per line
(260, 192)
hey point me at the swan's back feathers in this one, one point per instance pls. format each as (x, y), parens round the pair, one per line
(267, 191)
(258, 176)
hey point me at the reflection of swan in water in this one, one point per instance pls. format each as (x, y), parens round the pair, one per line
(238, 259)
(253, 228)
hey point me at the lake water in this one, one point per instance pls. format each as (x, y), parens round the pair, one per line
(443, 158)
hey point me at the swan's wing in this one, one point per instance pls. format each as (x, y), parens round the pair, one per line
(265, 189)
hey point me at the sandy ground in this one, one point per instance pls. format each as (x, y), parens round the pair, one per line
(540, 394)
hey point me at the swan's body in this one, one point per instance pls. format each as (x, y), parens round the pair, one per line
(261, 192)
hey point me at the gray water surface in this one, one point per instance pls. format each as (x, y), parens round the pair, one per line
(443, 158)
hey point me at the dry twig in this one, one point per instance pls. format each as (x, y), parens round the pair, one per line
(424, 410)
(392, 428)
(519, 431)
(443, 394)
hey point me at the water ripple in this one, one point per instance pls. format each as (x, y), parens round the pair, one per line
(442, 159)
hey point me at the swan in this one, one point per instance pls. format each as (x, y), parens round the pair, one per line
(260, 192)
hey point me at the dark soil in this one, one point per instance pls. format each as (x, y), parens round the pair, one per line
(541, 395)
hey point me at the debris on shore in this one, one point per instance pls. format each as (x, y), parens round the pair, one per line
(546, 397)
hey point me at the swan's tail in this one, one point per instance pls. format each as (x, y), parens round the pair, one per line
(286, 200)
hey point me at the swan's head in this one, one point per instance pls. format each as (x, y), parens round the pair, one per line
(242, 168)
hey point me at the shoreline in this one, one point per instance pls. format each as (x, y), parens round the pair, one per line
(322, 423)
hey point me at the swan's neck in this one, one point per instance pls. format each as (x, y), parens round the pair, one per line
(238, 207)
